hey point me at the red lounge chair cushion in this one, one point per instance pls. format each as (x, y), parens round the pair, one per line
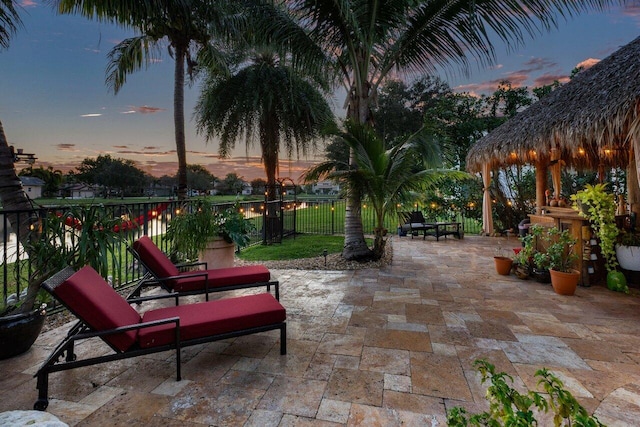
(91, 298)
(219, 277)
(212, 318)
(154, 258)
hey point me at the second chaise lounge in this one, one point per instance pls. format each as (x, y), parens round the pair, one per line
(161, 271)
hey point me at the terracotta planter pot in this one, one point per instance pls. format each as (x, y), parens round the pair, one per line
(564, 283)
(503, 265)
(18, 332)
(218, 254)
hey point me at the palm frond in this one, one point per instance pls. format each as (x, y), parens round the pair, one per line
(9, 21)
(128, 56)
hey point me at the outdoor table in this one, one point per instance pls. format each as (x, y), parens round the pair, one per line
(438, 229)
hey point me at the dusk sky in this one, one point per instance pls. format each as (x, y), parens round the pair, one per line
(54, 101)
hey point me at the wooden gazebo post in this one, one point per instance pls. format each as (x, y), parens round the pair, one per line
(633, 178)
(541, 182)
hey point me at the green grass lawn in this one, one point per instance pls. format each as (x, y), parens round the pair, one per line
(303, 246)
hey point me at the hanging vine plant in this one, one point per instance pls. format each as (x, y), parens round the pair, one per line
(596, 204)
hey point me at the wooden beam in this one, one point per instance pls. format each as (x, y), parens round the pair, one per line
(541, 183)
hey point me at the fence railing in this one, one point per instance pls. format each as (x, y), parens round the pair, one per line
(325, 217)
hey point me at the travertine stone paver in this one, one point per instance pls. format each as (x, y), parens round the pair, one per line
(381, 347)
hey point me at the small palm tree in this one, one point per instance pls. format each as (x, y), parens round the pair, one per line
(268, 100)
(384, 177)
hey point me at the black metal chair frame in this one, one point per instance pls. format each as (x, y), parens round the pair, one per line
(81, 331)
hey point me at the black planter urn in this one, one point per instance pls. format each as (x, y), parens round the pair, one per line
(542, 275)
(19, 331)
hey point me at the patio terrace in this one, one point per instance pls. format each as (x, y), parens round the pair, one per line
(384, 347)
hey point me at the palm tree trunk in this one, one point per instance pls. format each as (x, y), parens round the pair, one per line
(15, 199)
(355, 247)
(178, 119)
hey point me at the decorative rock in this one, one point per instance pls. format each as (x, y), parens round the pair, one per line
(30, 418)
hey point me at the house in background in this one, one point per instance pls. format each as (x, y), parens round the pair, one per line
(32, 186)
(325, 187)
(247, 189)
(78, 191)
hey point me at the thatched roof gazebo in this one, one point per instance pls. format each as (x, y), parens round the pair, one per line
(591, 122)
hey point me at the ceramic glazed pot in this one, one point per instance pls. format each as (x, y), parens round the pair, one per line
(628, 257)
(564, 283)
(19, 331)
(503, 265)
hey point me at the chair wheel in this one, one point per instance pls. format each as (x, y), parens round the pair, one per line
(41, 404)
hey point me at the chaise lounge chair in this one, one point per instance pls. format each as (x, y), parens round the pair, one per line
(103, 313)
(161, 271)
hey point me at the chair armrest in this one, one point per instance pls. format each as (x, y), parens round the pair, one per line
(178, 277)
(107, 332)
(186, 265)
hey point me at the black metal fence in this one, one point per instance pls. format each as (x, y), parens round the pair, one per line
(273, 221)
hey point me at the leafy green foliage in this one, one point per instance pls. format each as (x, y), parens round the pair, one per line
(199, 178)
(119, 175)
(560, 249)
(264, 100)
(190, 231)
(387, 178)
(9, 21)
(78, 236)
(598, 205)
(508, 407)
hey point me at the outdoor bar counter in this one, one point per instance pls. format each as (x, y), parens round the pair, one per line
(569, 219)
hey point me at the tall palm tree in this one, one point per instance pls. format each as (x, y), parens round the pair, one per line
(185, 26)
(268, 100)
(367, 42)
(384, 177)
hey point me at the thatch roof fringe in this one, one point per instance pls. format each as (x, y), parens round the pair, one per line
(592, 119)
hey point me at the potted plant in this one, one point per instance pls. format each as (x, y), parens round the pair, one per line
(628, 250)
(208, 234)
(77, 237)
(524, 257)
(541, 264)
(560, 244)
(503, 263)
(540, 258)
(596, 204)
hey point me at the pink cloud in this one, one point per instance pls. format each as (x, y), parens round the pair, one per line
(547, 79)
(588, 63)
(66, 147)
